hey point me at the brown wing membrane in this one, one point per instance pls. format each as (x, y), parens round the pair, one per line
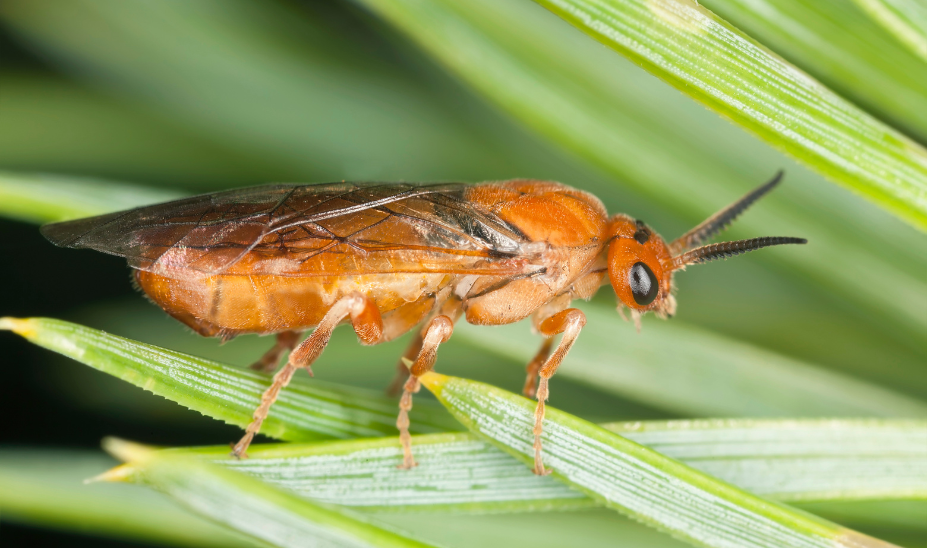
(307, 230)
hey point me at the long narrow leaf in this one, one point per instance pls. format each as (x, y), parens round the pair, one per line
(634, 480)
(275, 80)
(252, 507)
(45, 488)
(305, 410)
(838, 44)
(455, 473)
(789, 460)
(798, 460)
(56, 497)
(904, 519)
(905, 19)
(686, 370)
(55, 124)
(706, 58)
(609, 112)
(45, 198)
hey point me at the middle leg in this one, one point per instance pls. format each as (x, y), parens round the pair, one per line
(439, 331)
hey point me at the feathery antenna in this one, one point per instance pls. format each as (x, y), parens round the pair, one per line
(720, 220)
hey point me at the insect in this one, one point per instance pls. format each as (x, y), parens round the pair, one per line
(393, 257)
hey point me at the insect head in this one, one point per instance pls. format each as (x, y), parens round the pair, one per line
(641, 263)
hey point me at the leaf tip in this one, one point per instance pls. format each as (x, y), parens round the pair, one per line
(126, 451)
(119, 473)
(19, 326)
(433, 381)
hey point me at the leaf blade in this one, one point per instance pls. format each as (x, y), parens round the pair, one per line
(44, 488)
(632, 479)
(304, 411)
(605, 110)
(789, 460)
(685, 370)
(763, 94)
(305, 74)
(252, 507)
(904, 19)
(42, 198)
(841, 46)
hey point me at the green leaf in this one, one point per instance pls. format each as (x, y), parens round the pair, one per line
(798, 460)
(252, 507)
(744, 82)
(277, 82)
(635, 480)
(902, 519)
(52, 123)
(606, 110)
(41, 198)
(839, 45)
(683, 369)
(45, 488)
(456, 473)
(305, 410)
(906, 20)
(789, 460)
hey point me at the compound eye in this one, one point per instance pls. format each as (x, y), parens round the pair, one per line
(643, 284)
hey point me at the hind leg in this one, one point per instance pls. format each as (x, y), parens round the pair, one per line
(286, 341)
(439, 331)
(402, 371)
(365, 318)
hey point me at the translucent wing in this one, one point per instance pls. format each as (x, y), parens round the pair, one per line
(308, 230)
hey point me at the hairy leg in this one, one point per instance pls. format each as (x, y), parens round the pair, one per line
(286, 341)
(439, 331)
(365, 318)
(402, 371)
(569, 322)
(534, 366)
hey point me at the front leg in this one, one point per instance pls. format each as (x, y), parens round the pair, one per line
(569, 322)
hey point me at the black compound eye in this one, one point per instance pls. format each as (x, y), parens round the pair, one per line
(643, 284)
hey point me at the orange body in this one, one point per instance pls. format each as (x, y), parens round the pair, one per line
(561, 235)
(389, 257)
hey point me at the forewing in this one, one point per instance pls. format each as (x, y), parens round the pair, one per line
(307, 230)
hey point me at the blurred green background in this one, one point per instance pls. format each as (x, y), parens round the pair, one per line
(204, 95)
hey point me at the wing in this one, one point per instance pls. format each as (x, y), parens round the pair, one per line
(308, 230)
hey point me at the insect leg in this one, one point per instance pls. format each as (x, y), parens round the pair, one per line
(365, 318)
(439, 331)
(569, 322)
(286, 341)
(402, 372)
(534, 366)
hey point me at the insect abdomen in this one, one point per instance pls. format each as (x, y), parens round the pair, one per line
(228, 305)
